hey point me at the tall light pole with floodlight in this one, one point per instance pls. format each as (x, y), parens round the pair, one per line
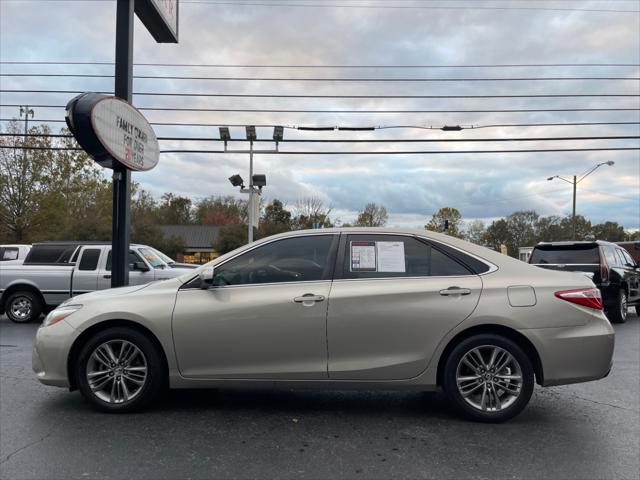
(575, 183)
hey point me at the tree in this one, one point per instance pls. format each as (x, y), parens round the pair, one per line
(311, 212)
(475, 231)
(522, 225)
(498, 234)
(610, 231)
(583, 228)
(372, 216)
(217, 210)
(439, 221)
(632, 236)
(276, 219)
(549, 229)
(231, 237)
(174, 210)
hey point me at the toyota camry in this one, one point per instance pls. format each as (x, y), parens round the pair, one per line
(350, 308)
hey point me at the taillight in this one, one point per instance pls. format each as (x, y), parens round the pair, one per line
(587, 297)
(604, 270)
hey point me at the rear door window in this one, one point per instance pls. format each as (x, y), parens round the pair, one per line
(389, 256)
(569, 254)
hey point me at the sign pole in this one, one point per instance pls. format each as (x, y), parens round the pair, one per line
(121, 175)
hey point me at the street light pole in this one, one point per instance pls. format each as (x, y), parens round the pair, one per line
(251, 193)
(575, 183)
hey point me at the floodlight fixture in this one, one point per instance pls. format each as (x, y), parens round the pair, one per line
(278, 133)
(610, 163)
(251, 133)
(259, 180)
(224, 134)
(236, 181)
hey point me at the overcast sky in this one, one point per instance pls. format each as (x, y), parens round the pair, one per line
(338, 32)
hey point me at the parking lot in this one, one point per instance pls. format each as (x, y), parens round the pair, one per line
(579, 431)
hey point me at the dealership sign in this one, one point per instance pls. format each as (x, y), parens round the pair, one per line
(160, 17)
(112, 131)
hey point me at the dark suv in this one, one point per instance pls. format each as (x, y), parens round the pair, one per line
(611, 268)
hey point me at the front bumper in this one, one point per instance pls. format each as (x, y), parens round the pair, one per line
(50, 353)
(575, 354)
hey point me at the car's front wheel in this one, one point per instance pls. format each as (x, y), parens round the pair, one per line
(488, 378)
(120, 370)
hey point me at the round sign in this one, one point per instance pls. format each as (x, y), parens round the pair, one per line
(113, 131)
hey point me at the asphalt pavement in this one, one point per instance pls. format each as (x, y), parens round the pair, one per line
(583, 431)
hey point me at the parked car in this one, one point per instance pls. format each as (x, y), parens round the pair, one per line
(336, 308)
(56, 271)
(612, 269)
(13, 254)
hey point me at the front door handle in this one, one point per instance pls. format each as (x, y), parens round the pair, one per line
(106, 276)
(455, 291)
(309, 299)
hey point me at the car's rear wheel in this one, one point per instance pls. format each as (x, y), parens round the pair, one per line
(489, 378)
(120, 370)
(619, 312)
(23, 307)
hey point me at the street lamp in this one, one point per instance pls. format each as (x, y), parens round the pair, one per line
(575, 183)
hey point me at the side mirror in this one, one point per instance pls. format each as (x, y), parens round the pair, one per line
(206, 277)
(140, 266)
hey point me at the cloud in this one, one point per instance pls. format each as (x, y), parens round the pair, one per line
(412, 187)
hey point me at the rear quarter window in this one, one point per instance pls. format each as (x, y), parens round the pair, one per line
(50, 254)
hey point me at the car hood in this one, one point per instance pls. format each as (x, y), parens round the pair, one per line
(109, 292)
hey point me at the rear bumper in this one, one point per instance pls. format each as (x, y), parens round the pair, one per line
(574, 354)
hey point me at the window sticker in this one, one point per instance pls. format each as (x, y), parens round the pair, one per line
(391, 257)
(363, 256)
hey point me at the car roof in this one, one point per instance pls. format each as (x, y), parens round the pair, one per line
(75, 243)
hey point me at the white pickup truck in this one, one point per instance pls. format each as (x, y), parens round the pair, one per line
(54, 272)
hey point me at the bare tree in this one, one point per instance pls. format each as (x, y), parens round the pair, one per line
(372, 216)
(311, 212)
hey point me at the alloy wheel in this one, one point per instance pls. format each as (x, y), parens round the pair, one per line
(489, 378)
(623, 306)
(116, 371)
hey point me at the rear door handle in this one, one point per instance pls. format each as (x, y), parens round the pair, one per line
(106, 276)
(309, 299)
(455, 291)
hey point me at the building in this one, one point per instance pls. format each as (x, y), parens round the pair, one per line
(198, 241)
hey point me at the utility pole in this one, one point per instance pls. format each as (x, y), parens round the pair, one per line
(251, 193)
(121, 175)
(575, 183)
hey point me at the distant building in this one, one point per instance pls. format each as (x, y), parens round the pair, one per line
(524, 253)
(198, 241)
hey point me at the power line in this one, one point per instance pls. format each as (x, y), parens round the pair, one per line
(341, 140)
(261, 110)
(407, 7)
(328, 79)
(419, 127)
(344, 66)
(279, 95)
(375, 152)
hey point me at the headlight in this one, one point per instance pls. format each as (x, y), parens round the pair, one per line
(60, 313)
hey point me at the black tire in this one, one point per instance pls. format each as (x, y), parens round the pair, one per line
(618, 314)
(450, 384)
(21, 302)
(156, 375)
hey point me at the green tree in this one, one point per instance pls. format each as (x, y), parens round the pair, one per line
(174, 210)
(276, 219)
(583, 228)
(549, 229)
(610, 231)
(497, 234)
(231, 237)
(372, 216)
(439, 221)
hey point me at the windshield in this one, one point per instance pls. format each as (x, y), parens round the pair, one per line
(165, 258)
(151, 257)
